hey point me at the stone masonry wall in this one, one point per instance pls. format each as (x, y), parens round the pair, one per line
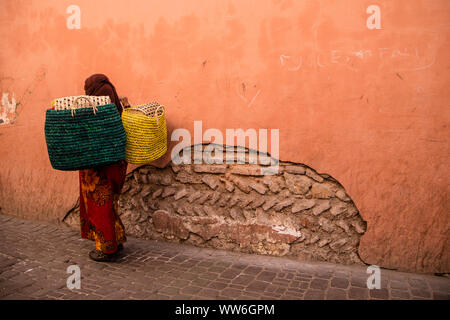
(296, 212)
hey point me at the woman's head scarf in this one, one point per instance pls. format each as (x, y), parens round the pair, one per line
(99, 85)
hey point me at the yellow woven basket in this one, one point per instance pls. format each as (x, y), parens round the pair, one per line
(145, 126)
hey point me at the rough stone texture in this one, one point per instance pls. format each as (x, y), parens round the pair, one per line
(260, 188)
(210, 168)
(303, 205)
(322, 190)
(297, 184)
(313, 175)
(342, 195)
(246, 170)
(235, 208)
(295, 169)
(320, 207)
(211, 181)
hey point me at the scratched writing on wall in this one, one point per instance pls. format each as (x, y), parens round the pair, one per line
(406, 58)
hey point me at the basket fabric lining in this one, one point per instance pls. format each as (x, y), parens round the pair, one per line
(65, 103)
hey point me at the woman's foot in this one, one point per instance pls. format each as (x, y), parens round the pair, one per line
(100, 256)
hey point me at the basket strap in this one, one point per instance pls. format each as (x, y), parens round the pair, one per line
(94, 108)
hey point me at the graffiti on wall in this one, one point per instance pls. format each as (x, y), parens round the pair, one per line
(400, 59)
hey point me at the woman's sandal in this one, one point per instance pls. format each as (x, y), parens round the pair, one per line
(100, 256)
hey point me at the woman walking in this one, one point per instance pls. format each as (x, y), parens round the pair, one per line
(100, 189)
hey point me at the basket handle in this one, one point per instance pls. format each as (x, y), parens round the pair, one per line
(156, 114)
(94, 108)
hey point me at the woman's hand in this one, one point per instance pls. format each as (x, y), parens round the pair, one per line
(124, 102)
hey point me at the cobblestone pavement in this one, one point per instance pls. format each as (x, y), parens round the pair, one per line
(34, 258)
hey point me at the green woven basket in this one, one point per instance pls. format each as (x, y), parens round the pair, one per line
(85, 137)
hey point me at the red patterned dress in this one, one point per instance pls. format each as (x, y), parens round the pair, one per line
(99, 194)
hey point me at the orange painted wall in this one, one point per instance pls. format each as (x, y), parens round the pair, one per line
(368, 107)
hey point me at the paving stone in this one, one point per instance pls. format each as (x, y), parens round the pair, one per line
(319, 284)
(230, 292)
(399, 285)
(243, 279)
(200, 282)
(339, 283)
(207, 292)
(358, 293)
(266, 276)
(324, 274)
(382, 293)
(191, 290)
(257, 285)
(400, 294)
(252, 270)
(169, 291)
(441, 296)
(217, 285)
(336, 294)
(421, 293)
(437, 284)
(304, 284)
(230, 274)
(239, 266)
(179, 283)
(313, 294)
(418, 284)
(359, 282)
